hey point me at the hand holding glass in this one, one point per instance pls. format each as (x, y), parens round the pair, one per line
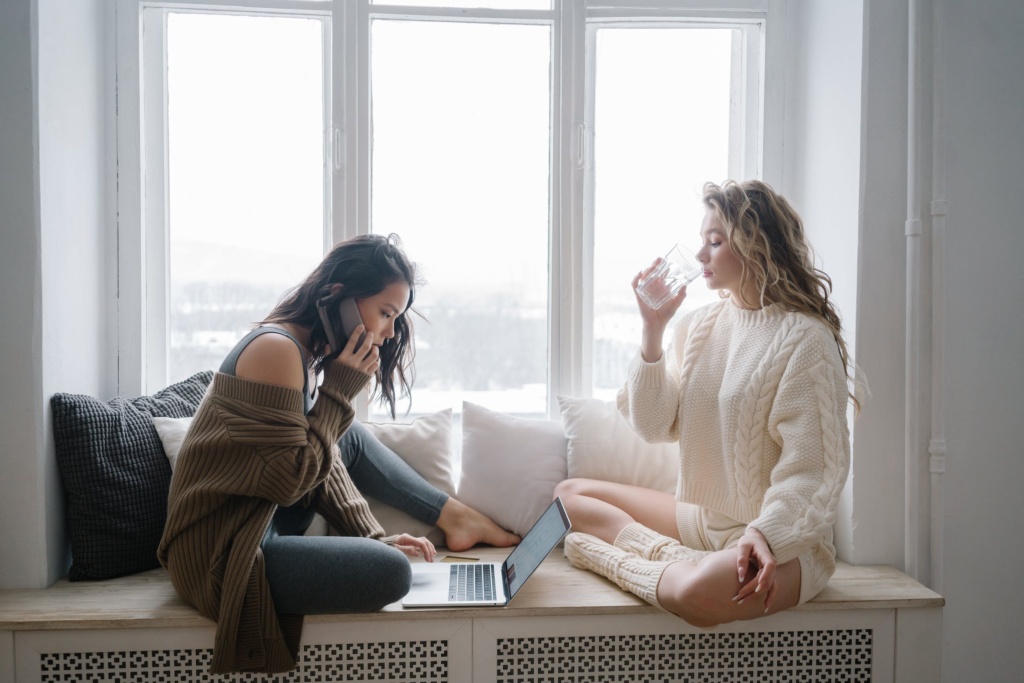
(679, 267)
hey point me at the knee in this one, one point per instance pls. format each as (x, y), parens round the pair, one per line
(693, 598)
(396, 577)
(568, 488)
(351, 443)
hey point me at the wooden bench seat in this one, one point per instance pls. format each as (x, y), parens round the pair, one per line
(148, 599)
(557, 603)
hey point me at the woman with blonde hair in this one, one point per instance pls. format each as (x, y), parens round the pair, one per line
(754, 388)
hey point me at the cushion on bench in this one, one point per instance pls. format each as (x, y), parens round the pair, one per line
(116, 476)
(116, 460)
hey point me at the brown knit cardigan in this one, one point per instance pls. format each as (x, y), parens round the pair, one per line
(249, 450)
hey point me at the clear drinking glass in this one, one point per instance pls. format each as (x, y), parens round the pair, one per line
(679, 267)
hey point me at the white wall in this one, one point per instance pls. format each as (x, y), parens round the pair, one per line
(982, 58)
(54, 267)
(876, 485)
(77, 261)
(822, 163)
(23, 535)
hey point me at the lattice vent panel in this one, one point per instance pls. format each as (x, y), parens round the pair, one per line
(413, 661)
(781, 657)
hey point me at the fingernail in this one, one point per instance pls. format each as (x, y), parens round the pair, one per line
(757, 589)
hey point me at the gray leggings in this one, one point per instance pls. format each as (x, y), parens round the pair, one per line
(340, 574)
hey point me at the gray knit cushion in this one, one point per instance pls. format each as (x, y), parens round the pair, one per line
(116, 476)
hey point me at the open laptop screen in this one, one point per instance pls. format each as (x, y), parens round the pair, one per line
(535, 546)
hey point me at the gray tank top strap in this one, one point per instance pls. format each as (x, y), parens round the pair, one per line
(230, 360)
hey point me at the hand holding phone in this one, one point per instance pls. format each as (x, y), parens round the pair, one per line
(348, 319)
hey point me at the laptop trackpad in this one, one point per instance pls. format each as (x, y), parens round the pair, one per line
(430, 582)
(429, 575)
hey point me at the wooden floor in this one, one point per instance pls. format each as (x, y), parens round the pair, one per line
(148, 600)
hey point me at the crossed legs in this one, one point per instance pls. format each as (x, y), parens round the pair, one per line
(698, 587)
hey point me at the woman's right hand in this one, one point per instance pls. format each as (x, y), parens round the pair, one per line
(362, 355)
(656, 316)
(655, 320)
(412, 546)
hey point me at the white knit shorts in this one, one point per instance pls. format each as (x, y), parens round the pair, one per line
(703, 529)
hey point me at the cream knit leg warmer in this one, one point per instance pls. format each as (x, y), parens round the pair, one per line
(649, 544)
(629, 572)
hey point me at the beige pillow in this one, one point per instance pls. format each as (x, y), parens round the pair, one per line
(510, 465)
(426, 444)
(602, 445)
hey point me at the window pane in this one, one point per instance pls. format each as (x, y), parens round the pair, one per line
(460, 171)
(661, 131)
(246, 174)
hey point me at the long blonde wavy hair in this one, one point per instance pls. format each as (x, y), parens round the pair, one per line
(777, 261)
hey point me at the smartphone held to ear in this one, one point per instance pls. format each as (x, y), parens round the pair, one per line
(340, 327)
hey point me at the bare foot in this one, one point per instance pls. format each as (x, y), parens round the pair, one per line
(464, 528)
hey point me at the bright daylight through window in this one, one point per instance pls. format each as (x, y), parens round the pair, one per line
(460, 170)
(470, 148)
(246, 164)
(661, 113)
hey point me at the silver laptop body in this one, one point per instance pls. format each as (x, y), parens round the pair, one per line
(482, 584)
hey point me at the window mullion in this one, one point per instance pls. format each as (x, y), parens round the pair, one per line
(567, 344)
(348, 60)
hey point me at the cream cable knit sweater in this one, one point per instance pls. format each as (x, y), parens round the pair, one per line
(757, 401)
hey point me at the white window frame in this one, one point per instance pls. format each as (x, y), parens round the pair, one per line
(745, 146)
(141, 168)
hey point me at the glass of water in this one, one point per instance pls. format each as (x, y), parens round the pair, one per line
(679, 267)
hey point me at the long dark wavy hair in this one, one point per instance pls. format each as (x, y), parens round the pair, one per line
(363, 265)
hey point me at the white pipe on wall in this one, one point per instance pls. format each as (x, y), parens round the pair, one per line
(937, 443)
(912, 230)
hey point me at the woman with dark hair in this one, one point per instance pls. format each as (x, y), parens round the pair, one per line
(263, 455)
(755, 390)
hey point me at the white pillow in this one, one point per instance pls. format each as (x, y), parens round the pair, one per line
(172, 432)
(426, 444)
(510, 465)
(603, 446)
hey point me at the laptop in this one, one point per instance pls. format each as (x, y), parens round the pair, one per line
(483, 584)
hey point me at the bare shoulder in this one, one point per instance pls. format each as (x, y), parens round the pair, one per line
(272, 359)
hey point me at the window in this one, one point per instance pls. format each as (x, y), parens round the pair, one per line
(532, 157)
(245, 160)
(662, 98)
(460, 169)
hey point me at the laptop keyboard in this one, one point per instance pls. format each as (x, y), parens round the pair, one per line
(471, 582)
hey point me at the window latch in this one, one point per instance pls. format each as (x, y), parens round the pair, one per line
(338, 148)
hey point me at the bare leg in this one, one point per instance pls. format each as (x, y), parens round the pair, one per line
(603, 508)
(702, 593)
(465, 527)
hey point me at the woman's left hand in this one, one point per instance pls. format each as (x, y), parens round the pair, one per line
(360, 353)
(416, 547)
(753, 553)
